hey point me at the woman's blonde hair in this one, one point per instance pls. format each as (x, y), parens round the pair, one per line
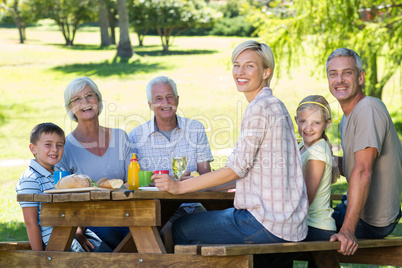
(320, 103)
(263, 51)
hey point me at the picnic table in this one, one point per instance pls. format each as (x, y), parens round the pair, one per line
(142, 211)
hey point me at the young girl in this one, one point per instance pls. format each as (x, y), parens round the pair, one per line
(313, 117)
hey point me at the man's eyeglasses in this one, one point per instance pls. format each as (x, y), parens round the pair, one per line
(89, 97)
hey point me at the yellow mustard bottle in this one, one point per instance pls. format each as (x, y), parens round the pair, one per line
(133, 176)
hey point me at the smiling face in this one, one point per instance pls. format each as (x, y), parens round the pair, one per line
(164, 102)
(48, 150)
(84, 104)
(311, 125)
(345, 83)
(249, 74)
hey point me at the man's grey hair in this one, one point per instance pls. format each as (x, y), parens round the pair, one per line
(345, 52)
(160, 80)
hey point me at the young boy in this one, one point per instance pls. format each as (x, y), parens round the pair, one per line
(47, 145)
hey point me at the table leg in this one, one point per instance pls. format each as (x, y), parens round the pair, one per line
(61, 238)
(126, 245)
(326, 259)
(147, 239)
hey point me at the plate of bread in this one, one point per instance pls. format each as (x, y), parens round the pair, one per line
(83, 183)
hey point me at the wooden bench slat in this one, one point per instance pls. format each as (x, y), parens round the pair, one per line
(22, 258)
(247, 249)
(15, 245)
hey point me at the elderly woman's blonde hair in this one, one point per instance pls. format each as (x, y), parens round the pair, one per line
(75, 87)
(263, 51)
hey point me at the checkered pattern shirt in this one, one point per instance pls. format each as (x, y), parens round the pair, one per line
(35, 180)
(155, 151)
(267, 160)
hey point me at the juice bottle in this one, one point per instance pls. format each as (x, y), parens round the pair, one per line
(132, 176)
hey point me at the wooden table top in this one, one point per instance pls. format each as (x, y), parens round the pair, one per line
(123, 195)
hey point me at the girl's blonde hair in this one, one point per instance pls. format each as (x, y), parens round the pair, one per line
(320, 103)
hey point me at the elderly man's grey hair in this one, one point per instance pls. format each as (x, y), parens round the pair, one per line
(160, 80)
(345, 52)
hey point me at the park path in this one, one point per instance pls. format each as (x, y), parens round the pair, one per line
(14, 162)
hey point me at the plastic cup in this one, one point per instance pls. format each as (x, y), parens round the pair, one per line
(58, 174)
(145, 178)
(161, 172)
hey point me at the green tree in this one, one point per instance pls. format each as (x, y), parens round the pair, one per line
(68, 14)
(22, 12)
(171, 17)
(141, 12)
(373, 28)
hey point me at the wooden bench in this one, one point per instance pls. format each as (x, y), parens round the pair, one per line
(17, 245)
(387, 251)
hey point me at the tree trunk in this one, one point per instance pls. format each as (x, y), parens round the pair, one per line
(372, 88)
(16, 17)
(24, 37)
(66, 34)
(104, 24)
(164, 38)
(139, 36)
(21, 32)
(112, 26)
(124, 49)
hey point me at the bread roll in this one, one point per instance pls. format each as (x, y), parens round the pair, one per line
(99, 182)
(110, 184)
(74, 181)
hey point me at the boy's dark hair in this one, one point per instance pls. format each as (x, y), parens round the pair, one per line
(45, 128)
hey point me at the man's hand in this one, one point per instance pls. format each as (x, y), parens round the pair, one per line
(348, 241)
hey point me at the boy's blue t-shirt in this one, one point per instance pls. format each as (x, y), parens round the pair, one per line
(35, 180)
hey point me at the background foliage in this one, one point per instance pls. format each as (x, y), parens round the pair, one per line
(373, 28)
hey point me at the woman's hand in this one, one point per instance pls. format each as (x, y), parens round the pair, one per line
(83, 240)
(166, 183)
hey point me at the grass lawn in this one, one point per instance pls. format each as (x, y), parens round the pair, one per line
(34, 76)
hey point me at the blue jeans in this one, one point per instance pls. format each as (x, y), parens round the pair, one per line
(363, 229)
(315, 234)
(229, 226)
(99, 245)
(112, 236)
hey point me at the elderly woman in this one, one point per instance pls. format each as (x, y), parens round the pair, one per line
(92, 149)
(271, 202)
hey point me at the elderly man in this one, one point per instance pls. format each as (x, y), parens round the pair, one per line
(372, 156)
(168, 134)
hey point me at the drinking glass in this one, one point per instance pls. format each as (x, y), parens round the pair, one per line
(179, 165)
